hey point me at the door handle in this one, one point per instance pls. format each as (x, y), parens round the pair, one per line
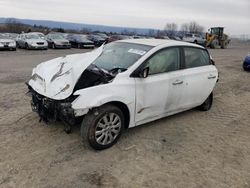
(177, 82)
(211, 77)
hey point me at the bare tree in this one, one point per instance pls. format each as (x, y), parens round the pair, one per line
(85, 30)
(170, 29)
(184, 28)
(194, 27)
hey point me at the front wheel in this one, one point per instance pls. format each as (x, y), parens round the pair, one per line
(207, 104)
(102, 127)
(27, 46)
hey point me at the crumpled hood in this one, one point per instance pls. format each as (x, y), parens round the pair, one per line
(57, 78)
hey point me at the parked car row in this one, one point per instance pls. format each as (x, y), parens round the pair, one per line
(37, 40)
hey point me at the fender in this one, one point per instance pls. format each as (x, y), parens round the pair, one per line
(99, 95)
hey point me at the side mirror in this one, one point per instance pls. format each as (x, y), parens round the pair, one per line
(144, 73)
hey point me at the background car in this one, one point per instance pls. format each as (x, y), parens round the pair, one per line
(57, 41)
(118, 37)
(7, 43)
(194, 38)
(31, 41)
(246, 63)
(80, 41)
(98, 41)
(104, 36)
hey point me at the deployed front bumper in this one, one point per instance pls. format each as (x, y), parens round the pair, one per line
(7, 46)
(50, 110)
(62, 45)
(38, 46)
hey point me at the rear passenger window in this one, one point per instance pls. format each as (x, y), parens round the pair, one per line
(195, 57)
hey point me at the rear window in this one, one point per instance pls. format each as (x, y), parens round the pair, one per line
(195, 57)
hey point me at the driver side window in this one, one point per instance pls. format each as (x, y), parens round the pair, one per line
(164, 61)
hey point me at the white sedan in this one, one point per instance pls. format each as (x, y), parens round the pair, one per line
(194, 38)
(121, 85)
(31, 41)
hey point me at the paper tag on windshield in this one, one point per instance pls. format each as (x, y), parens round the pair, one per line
(135, 51)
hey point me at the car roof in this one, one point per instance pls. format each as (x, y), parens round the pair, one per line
(158, 42)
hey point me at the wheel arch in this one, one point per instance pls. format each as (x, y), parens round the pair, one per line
(125, 110)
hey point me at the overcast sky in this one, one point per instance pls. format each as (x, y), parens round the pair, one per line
(234, 15)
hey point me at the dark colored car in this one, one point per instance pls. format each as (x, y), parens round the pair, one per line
(80, 41)
(103, 35)
(246, 63)
(57, 41)
(98, 41)
(118, 37)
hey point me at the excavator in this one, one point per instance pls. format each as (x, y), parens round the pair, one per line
(216, 38)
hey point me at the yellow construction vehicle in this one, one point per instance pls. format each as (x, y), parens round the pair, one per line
(216, 38)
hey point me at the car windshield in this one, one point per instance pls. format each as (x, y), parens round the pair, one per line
(3, 36)
(56, 37)
(32, 37)
(80, 37)
(120, 55)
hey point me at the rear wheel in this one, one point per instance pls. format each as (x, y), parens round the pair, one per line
(207, 103)
(102, 127)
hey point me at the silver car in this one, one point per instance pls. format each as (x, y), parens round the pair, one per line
(31, 41)
(57, 41)
(7, 43)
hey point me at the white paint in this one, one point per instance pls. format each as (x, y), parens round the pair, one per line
(147, 99)
(73, 65)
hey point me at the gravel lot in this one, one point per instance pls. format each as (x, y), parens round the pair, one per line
(190, 149)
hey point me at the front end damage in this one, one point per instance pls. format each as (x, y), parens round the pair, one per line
(50, 110)
(50, 97)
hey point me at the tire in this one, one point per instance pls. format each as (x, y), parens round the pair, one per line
(13, 49)
(215, 44)
(207, 104)
(96, 130)
(27, 46)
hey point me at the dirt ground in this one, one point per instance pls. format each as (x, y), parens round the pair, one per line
(191, 149)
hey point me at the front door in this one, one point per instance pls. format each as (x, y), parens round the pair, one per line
(160, 92)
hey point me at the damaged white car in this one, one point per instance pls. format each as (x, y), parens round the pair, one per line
(121, 85)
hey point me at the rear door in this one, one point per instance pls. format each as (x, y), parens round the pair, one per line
(199, 77)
